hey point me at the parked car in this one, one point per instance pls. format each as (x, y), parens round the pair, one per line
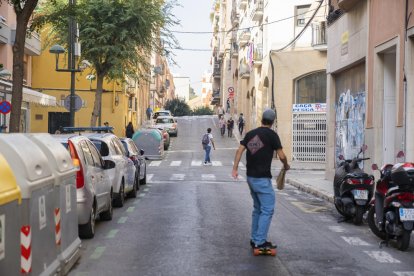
(168, 123)
(93, 188)
(161, 113)
(137, 156)
(150, 141)
(165, 136)
(123, 175)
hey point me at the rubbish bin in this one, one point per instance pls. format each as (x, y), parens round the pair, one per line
(39, 255)
(10, 200)
(66, 215)
(151, 141)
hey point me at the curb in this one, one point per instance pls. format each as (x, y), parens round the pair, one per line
(310, 190)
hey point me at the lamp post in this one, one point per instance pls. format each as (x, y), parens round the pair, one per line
(57, 50)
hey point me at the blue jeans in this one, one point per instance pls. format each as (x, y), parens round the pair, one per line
(264, 200)
(207, 149)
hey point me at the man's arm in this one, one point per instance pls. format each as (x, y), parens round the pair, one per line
(237, 158)
(212, 142)
(283, 159)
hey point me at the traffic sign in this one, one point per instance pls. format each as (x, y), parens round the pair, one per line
(78, 103)
(231, 92)
(5, 107)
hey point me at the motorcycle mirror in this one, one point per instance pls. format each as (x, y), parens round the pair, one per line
(400, 154)
(374, 167)
(341, 157)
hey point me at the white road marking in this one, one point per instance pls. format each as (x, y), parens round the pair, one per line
(239, 178)
(355, 241)
(297, 192)
(196, 163)
(382, 257)
(282, 193)
(155, 163)
(211, 177)
(404, 273)
(324, 218)
(216, 163)
(337, 229)
(149, 177)
(290, 198)
(175, 163)
(177, 176)
(241, 165)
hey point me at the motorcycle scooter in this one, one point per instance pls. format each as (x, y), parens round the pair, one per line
(353, 188)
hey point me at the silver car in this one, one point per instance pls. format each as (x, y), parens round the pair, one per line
(168, 123)
(93, 188)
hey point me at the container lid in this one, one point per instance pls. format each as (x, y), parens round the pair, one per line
(59, 158)
(9, 191)
(29, 164)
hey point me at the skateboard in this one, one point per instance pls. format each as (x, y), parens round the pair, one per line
(264, 251)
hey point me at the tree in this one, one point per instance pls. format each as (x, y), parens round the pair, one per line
(117, 36)
(23, 10)
(178, 107)
(204, 110)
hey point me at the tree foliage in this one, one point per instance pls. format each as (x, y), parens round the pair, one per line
(204, 110)
(117, 36)
(178, 107)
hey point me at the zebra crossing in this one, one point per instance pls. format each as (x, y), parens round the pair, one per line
(203, 177)
(193, 163)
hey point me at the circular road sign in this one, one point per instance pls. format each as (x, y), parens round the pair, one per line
(78, 103)
(5, 107)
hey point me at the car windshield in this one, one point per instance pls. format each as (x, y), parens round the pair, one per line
(165, 121)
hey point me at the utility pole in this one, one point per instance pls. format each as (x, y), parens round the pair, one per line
(71, 62)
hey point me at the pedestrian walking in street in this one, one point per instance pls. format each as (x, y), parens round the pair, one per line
(261, 144)
(228, 105)
(129, 131)
(149, 112)
(240, 123)
(207, 142)
(220, 111)
(230, 127)
(222, 126)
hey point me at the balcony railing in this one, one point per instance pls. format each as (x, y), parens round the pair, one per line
(242, 4)
(234, 18)
(257, 11)
(346, 5)
(319, 36)
(234, 50)
(216, 93)
(244, 71)
(217, 69)
(4, 33)
(33, 44)
(258, 55)
(244, 37)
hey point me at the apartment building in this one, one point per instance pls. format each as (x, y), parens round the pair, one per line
(31, 97)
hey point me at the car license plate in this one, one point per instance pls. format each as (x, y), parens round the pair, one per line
(406, 214)
(360, 194)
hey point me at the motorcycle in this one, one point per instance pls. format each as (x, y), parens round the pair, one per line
(353, 188)
(391, 213)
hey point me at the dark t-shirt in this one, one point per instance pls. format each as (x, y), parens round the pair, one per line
(260, 144)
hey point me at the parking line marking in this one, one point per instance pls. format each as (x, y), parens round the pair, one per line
(142, 194)
(149, 177)
(130, 209)
(216, 163)
(112, 233)
(177, 176)
(355, 241)
(337, 229)
(97, 253)
(122, 219)
(404, 273)
(146, 190)
(175, 163)
(196, 163)
(155, 163)
(382, 257)
(208, 177)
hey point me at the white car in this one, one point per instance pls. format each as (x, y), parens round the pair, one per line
(122, 176)
(168, 123)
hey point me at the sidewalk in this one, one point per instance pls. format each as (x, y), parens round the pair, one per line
(307, 177)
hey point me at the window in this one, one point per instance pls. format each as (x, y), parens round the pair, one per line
(311, 88)
(95, 155)
(86, 153)
(300, 13)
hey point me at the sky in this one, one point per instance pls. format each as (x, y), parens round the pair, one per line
(194, 15)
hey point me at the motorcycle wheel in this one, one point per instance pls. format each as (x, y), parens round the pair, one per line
(403, 241)
(357, 219)
(373, 224)
(340, 211)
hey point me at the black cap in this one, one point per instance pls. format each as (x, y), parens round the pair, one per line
(269, 115)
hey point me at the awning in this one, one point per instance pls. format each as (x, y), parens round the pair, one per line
(29, 95)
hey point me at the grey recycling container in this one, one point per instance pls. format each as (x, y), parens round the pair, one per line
(39, 253)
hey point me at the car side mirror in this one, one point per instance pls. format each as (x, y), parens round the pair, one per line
(109, 164)
(142, 152)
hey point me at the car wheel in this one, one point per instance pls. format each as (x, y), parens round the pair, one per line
(133, 193)
(120, 198)
(87, 231)
(107, 215)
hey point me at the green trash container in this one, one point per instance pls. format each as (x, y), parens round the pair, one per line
(30, 166)
(66, 216)
(10, 200)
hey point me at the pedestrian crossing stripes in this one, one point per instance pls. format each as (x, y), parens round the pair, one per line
(204, 177)
(177, 176)
(210, 177)
(194, 163)
(149, 177)
(216, 163)
(355, 241)
(155, 163)
(382, 257)
(175, 163)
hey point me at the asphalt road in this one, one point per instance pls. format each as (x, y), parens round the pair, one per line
(192, 219)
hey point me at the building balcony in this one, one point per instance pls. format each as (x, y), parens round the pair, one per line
(346, 5)
(244, 71)
(33, 43)
(216, 93)
(4, 32)
(258, 55)
(257, 11)
(319, 36)
(217, 69)
(234, 51)
(235, 18)
(244, 38)
(242, 4)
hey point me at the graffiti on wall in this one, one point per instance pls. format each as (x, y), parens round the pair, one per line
(349, 124)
